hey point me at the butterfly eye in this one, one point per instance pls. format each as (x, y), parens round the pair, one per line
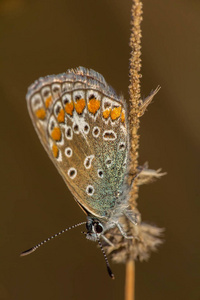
(89, 226)
(98, 227)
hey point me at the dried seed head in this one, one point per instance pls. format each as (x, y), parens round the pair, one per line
(146, 238)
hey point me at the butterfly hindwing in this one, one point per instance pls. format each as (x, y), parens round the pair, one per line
(82, 125)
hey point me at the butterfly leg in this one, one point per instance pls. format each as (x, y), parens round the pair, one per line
(123, 233)
(107, 240)
(133, 217)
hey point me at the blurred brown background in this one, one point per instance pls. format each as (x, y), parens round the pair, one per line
(38, 38)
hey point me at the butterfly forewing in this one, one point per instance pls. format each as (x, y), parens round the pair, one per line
(82, 125)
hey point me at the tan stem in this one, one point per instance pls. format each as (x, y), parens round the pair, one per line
(135, 101)
(130, 280)
(134, 92)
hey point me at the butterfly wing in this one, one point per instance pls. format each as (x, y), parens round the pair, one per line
(82, 125)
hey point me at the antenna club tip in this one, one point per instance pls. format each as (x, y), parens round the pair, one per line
(110, 273)
(27, 252)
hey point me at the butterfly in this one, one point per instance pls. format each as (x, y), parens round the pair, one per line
(83, 126)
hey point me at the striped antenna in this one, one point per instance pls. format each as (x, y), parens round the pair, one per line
(105, 257)
(31, 250)
(106, 260)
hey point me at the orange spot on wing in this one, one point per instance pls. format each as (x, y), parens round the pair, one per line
(80, 105)
(40, 113)
(69, 107)
(115, 113)
(55, 150)
(106, 113)
(123, 117)
(48, 101)
(56, 134)
(93, 105)
(61, 116)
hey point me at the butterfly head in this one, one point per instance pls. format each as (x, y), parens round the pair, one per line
(95, 229)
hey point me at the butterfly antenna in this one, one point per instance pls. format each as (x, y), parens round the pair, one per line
(106, 260)
(31, 250)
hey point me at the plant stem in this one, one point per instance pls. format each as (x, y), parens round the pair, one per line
(135, 98)
(130, 280)
(134, 91)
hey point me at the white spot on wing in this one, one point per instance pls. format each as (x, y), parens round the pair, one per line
(72, 173)
(66, 98)
(68, 152)
(52, 124)
(86, 128)
(76, 128)
(78, 95)
(90, 190)
(57, 108)
(109, 135)
(108, 162)
(93, 94)
(100, 173)
(106, 103)
(36, 102)
(46, 92)
(56, 90)
(122, 146)
(69, 133)
(88, 161)
(59, 158)
(96, 131)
